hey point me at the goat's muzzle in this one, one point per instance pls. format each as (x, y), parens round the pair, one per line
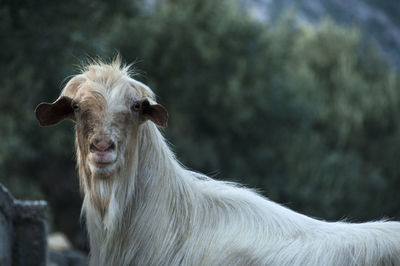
(102, 145)
(103, 156)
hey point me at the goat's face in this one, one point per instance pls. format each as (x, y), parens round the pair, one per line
(107, 117)
(104, 124)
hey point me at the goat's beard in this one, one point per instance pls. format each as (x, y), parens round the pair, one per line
(101, 194)
(98, 186)
(101, 182)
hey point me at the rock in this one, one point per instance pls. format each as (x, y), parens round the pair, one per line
(23, 236)
(59, 242)
(23, 231)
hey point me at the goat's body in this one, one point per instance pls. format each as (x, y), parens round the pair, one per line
(172, 216)
(143, 208)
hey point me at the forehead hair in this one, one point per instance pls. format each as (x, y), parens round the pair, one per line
(111, 78)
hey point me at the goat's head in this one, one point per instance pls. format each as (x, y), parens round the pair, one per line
(108, 107)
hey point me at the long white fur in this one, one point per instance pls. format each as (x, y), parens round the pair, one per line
(160, 213)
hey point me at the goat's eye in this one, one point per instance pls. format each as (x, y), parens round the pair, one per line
(135, 106)
(75, 107)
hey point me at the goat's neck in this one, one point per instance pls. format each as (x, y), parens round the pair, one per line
(156, 164)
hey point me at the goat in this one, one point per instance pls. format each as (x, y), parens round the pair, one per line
(142, 207)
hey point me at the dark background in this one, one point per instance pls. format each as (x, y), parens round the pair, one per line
(299, 100)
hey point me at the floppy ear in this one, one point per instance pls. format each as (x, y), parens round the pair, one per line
(154, 112)
(51, 113)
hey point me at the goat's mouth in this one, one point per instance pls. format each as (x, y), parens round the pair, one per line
(102, 157)
(102, 170)
(102, 163)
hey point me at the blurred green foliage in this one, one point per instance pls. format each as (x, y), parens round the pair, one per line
(305, 113)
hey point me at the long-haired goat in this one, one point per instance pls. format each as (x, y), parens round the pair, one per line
(143, 208)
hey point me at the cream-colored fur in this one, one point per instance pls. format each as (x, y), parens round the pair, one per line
(153, 211)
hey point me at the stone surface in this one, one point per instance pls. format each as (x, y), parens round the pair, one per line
(5, 240)
(23, 235)
(23, 231)
(67, 258)
(58, 241)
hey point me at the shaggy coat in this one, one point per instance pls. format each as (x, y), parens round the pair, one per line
(142, 207)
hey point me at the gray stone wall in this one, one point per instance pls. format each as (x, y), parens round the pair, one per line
(23, 235)
(23, 231)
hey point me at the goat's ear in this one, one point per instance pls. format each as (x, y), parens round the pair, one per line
(154, 112)
(51, 113)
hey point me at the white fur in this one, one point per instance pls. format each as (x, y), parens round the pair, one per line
(160, 213)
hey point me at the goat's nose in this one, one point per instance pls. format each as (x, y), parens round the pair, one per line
(101, 144)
